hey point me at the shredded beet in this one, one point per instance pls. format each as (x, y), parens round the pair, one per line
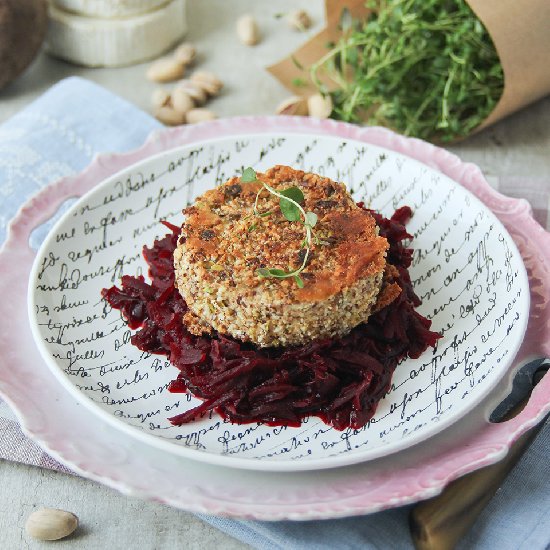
(340, 380)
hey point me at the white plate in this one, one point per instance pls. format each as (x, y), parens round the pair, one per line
(466, 268)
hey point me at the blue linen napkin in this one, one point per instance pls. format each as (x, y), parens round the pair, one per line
(58, 135)
(517, 517)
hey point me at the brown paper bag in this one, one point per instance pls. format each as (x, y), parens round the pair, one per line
(286, 71)
(520, 31)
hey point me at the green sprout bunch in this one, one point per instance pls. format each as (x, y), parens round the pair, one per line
(425, 68)
(290, 201)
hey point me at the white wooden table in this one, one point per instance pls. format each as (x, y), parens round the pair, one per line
(518, 146)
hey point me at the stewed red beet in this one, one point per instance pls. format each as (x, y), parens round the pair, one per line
(340, 380)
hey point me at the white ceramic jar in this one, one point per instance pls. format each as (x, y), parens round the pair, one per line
(131, 36)
(108, 8)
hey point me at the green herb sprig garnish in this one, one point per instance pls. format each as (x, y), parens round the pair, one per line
(290, 201)
(425, 68)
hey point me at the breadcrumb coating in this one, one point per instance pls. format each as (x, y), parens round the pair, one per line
(222, 245)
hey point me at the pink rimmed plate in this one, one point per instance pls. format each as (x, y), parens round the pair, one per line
(466, 269)
(298, 494)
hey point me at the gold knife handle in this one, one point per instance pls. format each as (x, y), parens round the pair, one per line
(440, 522)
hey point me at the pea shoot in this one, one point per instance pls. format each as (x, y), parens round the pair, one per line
(425, 68)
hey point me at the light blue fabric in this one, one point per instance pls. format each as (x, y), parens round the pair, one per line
(59, 134)
(517, 517)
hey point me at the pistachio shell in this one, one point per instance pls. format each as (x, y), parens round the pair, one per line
(160, 98)
(199, 115)
(299, 20)
(194, 91)
(165, 70)
(51, 524)
(182, 101)
(169, 116)
(185, 54)
(247, 30)
(319, 106)
(294, 105)
(208, 81)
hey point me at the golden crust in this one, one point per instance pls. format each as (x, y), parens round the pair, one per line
(195, 325)
(218, 232)
(390, 288)
(223, 244)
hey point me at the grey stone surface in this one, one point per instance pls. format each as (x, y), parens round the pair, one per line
(248, 88)
(518, 146)
(107, 518)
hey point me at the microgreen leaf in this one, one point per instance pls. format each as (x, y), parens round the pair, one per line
(249, 175)
(252, 228)
(289, 203)
(294, 194)
(290, 211)
(311, 219)
(277, 273)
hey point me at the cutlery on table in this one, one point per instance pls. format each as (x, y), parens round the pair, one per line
(440, 522)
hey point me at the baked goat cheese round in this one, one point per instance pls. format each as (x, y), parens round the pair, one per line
(238, 228)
